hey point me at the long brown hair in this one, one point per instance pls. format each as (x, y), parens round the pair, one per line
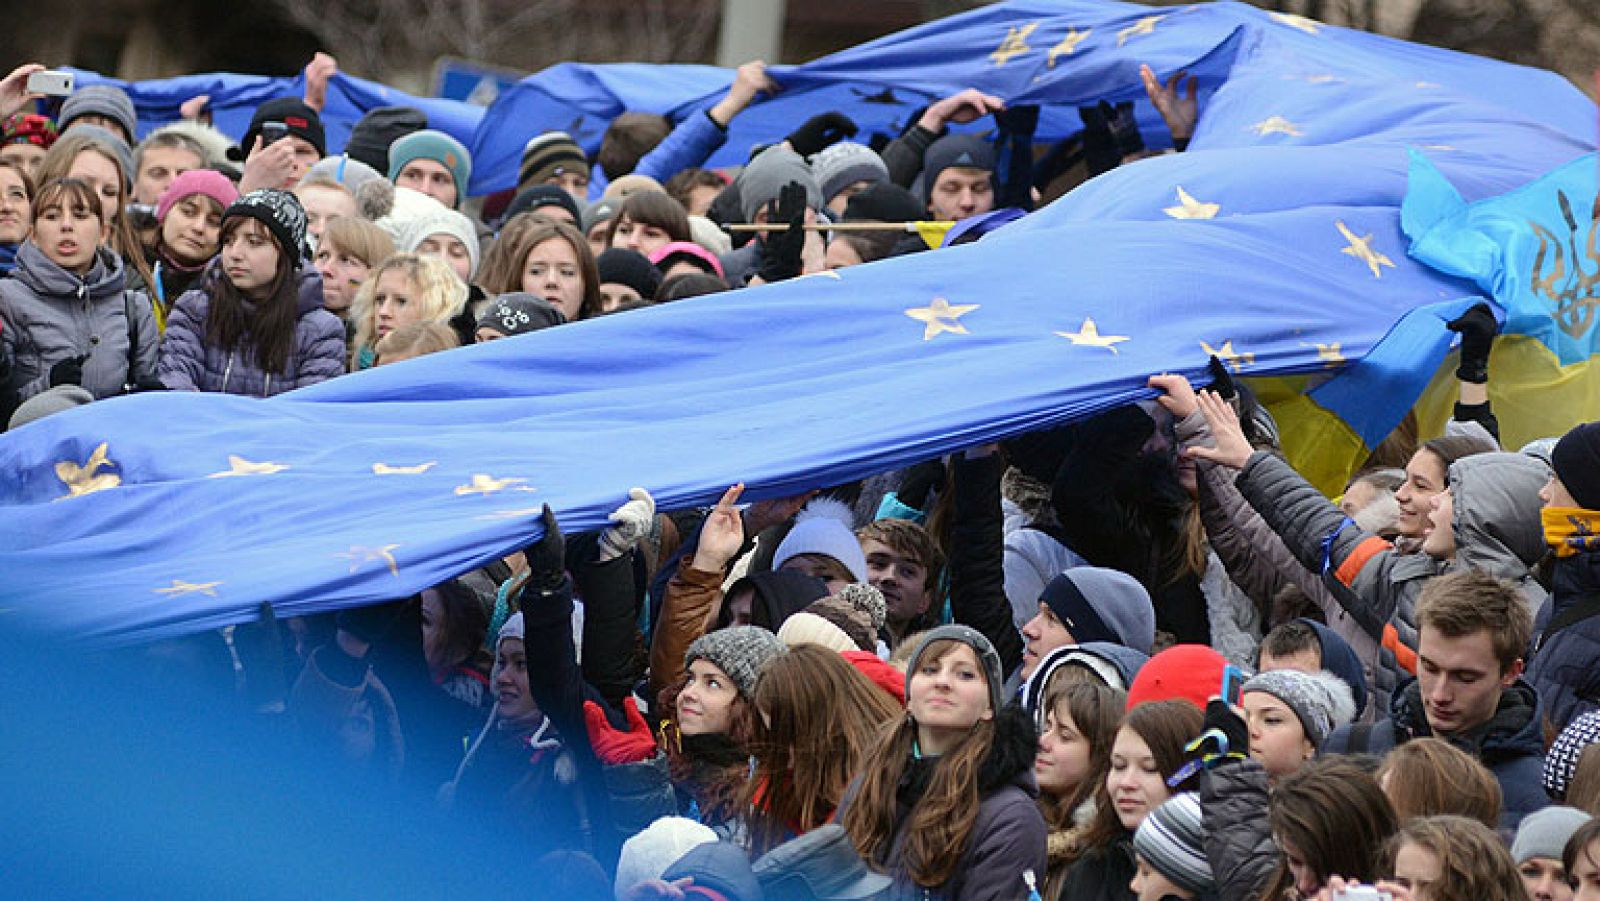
(1096, 710)
(1429, 776)
(121, 237)
(269, 323)
(718, 793)
(1165, 726)
(1474, 864)
(823, 720)
(940, 824)
(539, 230)
(653, 208)
(1334, 815)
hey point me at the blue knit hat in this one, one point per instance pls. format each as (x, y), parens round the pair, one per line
(429, 144)
(1097, 604)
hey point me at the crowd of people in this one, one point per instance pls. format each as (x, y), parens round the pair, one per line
(1138, 656)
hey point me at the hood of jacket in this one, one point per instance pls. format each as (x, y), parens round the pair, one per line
(1513, 730)
(1497, 505)
(779, 595)
(1341, 660)
(43, 277)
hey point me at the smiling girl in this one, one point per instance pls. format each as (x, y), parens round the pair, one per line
(403, 289)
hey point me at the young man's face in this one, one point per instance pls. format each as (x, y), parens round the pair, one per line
(1305, 660)
(961, 192)
(902, 580)
(1460, 679)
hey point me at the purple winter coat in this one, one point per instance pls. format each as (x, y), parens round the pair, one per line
(188, 363)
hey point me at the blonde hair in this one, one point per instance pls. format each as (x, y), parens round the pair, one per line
(441, 295)
(417, 339)
(359, 238)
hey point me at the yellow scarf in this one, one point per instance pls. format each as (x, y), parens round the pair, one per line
(1571, 530)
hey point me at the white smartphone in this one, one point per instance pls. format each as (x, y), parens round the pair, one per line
(51, 83)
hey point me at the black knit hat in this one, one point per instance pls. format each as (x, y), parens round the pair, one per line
(1576, 460)
(518, 313)
(279, 211)
(550, 154)
(535, 197)
(883, 202)
(373, 134)
(302, 122)
(623, 266)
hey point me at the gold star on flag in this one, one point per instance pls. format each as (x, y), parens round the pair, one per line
(513, 514)
(384, 469)
(1361, 249)
(1330, 354)
(1146, 25)
(1068, 45)
(941, 316)
(1309, 26)
(1276, 125)
(1228, 355)
(359, 554)
(485, 485)
(239, 466)
(1015, 44)
(87, 479)
(1189, 208)
(1089, 336)
(180, 587)
(1428, 85)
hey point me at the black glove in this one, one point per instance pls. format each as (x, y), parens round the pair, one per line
(1221, 717)
(1221, 379)
(140, 386)
(547, 557)
(919, 481)
(1121, 432)
(1477, 328)
(781, 251)
(819, 131)
(1109, 134)
(67, 372)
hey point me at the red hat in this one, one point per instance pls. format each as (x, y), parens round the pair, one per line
(882, 674)
(1186, 672)
(28, 128)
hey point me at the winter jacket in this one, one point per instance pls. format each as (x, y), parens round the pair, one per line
(1238, 840)
(691, 596)
(1565, 670)
(1510, 744)
(1497, 530)
(352, 720)
(1008, 836)
(189, 363)
(977, 557)
(689, 145)
(1102, 874)
(51, 315)
(904, 155)
(167, 283)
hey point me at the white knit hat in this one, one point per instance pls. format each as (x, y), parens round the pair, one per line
(824, 527)
(648, 854)
(809, 628)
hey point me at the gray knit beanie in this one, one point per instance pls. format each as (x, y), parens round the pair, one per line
(841, 165)
(740, 651)
(101, 100)
(1544, 833)
(766, 175)
(987, 655)
(1321, 701)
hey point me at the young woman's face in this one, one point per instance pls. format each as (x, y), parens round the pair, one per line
(615, 294)
(1134, 783)
(450, 249)
(705, 706)
(1307, 881)
(1277, 740)
(29, 155)
(395, 302)
(1063, 759)
(16, 212)
(551, 271)
(510, 680)
(1416, 868)
(102, 175)
(817, 566)
(1545, 879)
(193, 229)
(1440, 538)
(1425, 477)
(950, 694)
(323, 203)
(434, 631)
(342, 276)
(1586, 873)
(250, 258)
(68, 234)
(639, 236)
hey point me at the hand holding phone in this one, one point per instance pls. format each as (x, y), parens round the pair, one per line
(51, 83)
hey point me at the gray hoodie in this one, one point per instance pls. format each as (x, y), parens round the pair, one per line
(50, 315)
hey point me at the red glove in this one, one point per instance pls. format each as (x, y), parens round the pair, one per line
(613, 747)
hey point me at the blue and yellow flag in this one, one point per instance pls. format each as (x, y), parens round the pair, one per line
(1275, 243)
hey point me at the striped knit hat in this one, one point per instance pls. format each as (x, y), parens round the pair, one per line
(1172, 841)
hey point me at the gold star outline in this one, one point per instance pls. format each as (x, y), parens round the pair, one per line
(239, 466)
(1068, 45)
(941, 316)
(487, 485)
(359, 554)
(1189, 208)
(1089, 336)
(1014, 45)
(1309, 26)
(512, 514)
(1228, 355)
(1361, 249)
(181, 587)
(87, 479)
(1277, 125)
(1330, 354)
(384, 469)
(1146, 25)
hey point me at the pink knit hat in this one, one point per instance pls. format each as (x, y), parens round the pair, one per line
(687, 248)
(209, 182)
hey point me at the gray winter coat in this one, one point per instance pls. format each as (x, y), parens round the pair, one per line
(1497, 531)
(48, 314)
(188, 363)
(1234, 802)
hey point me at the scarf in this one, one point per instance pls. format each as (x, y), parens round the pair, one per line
(8, 258)
(1571, 530)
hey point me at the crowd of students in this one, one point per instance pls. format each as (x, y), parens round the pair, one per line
(1134, 657)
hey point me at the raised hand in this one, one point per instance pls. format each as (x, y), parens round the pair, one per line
(633, 520)
(614, 747)
(1177, 395)
(1230, 447)
(319, 71)
(1179, 111)
(722, 534)
(14, 93)
(964, 106)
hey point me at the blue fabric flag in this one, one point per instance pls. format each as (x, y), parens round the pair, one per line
(1275, 242)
